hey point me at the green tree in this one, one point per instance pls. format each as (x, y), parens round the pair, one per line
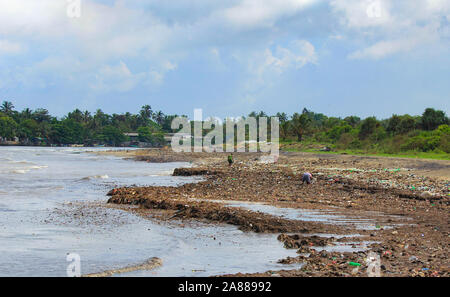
(28, 129)
(26, 113)
(7, 108)
(41, 115)
(368, 127)
(284, 129)
(353, 121)
(67, 131)
(393, 124)
(76, 115)
(145, 114)
(101, 119)
(113, 135)
(407, 124)
(282, 117)
(336, 132)
(159, 117)
(7, 127)
(300, 124)
(145, 134)
(432, 118)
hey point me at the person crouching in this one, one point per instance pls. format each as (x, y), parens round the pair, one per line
(307, 177)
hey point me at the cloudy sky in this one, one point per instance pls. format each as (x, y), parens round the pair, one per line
(229, 57)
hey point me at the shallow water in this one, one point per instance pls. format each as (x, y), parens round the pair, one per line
(322, 216)
(40, 223)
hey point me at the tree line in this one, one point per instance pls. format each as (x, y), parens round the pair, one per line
(399, 133)
(38, 127)
(427, 132)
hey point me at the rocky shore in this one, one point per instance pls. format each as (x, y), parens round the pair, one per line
(396, 208)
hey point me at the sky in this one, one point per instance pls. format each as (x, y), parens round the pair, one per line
(337, 57)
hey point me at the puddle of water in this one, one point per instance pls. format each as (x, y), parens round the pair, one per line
(321, 216)
(343, 247)
(329, 235)
(232, 251)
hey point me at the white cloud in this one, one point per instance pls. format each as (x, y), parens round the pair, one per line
(362, 13)
(99, 48)
(8, 47)
(392, 27)
(116, 78)
(266, 68)
(298, 54)
(263, 12)
(386, 48)
(383, 49)
(120, 78)
(169, 66)
(32, 18)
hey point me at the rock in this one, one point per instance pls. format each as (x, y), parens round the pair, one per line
(413, 259)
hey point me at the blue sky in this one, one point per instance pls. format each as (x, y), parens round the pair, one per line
(338, 57)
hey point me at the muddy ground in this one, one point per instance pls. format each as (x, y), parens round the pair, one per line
(399, 208)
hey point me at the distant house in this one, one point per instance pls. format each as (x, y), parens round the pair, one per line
(134, 137)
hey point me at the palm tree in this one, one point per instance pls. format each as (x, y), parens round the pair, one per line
(283, 117)
(284, 128)
(27, 113)
(300, 124)
(41, 115)
(146, 114)
(159, 117)
(86, 117)
(7, 107)
(101, 119)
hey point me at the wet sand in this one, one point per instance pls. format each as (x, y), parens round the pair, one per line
(150, 264)
(397, 207)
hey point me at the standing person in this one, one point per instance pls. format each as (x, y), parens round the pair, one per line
(230, 159)
(307, 177)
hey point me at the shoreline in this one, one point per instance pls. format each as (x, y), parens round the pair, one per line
(351, 186)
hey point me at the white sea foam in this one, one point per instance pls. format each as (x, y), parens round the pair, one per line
(38, 167)
(20, 171)
(104, 176)
(20, 162)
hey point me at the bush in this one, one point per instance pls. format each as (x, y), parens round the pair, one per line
(423, 142)
(444, 132)
(368, 126)
(336, 132)
(378, 135)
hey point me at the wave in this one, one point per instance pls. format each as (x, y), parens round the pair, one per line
(20, 171)
(26, 169)
(38, 167)
(20, 162)
(104, 176)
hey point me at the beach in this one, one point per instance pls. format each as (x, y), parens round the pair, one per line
(153, 212)
(394, 207)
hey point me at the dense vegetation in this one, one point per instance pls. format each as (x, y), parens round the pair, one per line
(429, 132)
(38, 127)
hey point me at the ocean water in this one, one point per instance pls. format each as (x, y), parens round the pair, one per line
(43, 217)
